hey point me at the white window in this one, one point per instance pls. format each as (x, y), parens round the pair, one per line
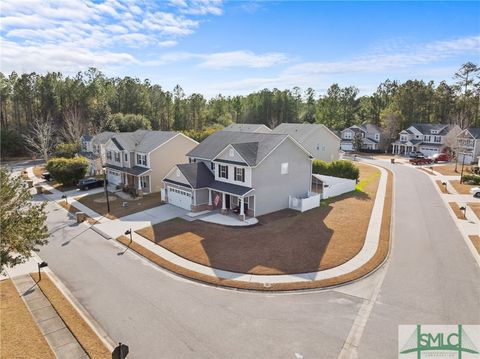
(438, 139)
(117, 157)
(231, 153)
(240, 174)
(284, 168)
(223, 171)
(143, 181)
(324, 148)
(141, 159)
(126, 157)
(347, 135)
(377, 136)
(403, 138)
(109, 155)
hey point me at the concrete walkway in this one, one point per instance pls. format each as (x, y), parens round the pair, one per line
(115, 228)
(58, 336)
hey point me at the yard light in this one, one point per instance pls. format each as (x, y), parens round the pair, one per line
(105, 186)
(40, 266)
(65, 198)
(129, 232)
(464, 209)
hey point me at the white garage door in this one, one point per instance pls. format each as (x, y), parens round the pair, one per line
(346, 146)
(180, 198)
(428, 151)
(114, 177)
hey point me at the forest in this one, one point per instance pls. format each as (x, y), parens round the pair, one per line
(65, 107)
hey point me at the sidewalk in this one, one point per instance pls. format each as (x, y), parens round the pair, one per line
(58, 336)
(114, 228)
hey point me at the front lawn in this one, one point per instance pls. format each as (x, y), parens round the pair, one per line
(98, 203)
(449, 169)
(283, 242)
(475, 206)
(462, 188)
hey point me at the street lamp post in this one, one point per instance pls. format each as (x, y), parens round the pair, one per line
(463, 164)
(106, 190)
(40, 266)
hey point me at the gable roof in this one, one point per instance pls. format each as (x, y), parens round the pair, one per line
(475, 132)
(426, 128)
(102, 137)
(369, 127)
(300, 131)
(253, 147)
(142, 140)
(197, 174)
(247, 127)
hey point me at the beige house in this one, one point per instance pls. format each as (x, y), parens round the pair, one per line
(317, 139)
(139, 160)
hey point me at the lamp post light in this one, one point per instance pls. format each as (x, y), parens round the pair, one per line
(40, 266)
(129, 232)
(463, 164)
(65, 198)
(464, 209)
(445, 185)
(106, 190)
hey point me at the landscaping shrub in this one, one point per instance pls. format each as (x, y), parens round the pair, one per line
(67, 171)
(342, 169)
(471, 179)
(66, 150)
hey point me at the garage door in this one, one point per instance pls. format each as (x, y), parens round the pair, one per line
(180, 198)
(114, 177)
(346, 146)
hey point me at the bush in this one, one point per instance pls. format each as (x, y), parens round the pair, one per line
(471, 179)
(67, 171)
(66, 150)
(342, 169)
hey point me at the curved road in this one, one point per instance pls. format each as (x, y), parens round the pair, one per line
(431, 277)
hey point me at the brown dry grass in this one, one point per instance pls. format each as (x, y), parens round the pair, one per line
(116, 208)
(442, 187)
(462, 188)
(475, 208)
(284, 242)
(72, 209)
(20, 336)
(38, 170)
(427, 170)
(476, 242)
(373, 263)
(449, 169)
(79, 328)
(456, 209)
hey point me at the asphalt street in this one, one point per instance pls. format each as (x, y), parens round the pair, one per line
(431, 278)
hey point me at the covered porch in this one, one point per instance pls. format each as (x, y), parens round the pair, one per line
(234, 203)
(403, 148)
(135, 180)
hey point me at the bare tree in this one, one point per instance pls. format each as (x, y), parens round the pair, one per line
(73, 127)
(40, 139)
(357, 141)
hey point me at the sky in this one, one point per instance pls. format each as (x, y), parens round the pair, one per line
(237, 47)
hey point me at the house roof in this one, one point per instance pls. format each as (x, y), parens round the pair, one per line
(87, 137)
(103, 137)
(254, 147)
(300, 131)
(369, 127)
(475, 132)
(426, 128)
(199, 176)
(247, 127)
(142, 140)
(135, 170)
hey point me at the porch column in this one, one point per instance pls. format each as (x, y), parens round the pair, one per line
(224, 207)
(241, 206)
(139, 183)
(209, 197)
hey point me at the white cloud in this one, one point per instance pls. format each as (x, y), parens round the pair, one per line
(198, 7)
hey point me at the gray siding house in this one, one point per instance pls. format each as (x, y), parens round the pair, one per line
(317, 139)
(251, 174)
(248, 127)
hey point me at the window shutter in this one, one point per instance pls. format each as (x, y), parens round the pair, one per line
(243, 174)
(226, 172)
(219, 170)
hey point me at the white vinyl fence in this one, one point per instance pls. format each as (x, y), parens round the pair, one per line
(302, 204)
(335, 186)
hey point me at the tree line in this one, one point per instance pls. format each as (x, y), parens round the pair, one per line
(65, 107)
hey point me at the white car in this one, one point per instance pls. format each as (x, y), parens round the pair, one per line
(475, 191)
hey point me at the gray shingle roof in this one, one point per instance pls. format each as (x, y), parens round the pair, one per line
(142, 140)
(247, 127)
(197, 174)
(426, 128)
(475, 132)
(135, 170)
(299, 131)
(102, 137)
(370, 128)
(265, 142)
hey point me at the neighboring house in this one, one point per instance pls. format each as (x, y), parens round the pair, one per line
(317, 139)
(93, 149)
(426, 138)
(247, 127)
(139, 160)
(370, 134)
(468, 145)
(253, 172)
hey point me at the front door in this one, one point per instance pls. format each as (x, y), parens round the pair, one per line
(227, 201)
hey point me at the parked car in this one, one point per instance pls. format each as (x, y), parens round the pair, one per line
(440, 157)
(475, 191)
(415, 154)
(420, 161)
(88, 183)
(46, 176)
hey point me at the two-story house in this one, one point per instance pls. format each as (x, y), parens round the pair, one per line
(427, 138)
(317, 139)
(93, 149)
(468, 145)
(370, 135)
(139, 160)
(252, 172)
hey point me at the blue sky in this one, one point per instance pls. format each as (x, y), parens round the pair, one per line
(235, 47)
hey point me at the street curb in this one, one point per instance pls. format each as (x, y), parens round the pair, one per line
(97, 329)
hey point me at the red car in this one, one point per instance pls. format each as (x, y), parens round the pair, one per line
(440, 157)
(420, 161)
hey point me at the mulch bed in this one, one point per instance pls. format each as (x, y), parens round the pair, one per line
(456, 209)
(476, 242)
(378, 258)
(284, 242)
(20, 336)
(97, 203)
(87, 338)
(442, 187)
(462, 188)
(427, 171)
(475, 206)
